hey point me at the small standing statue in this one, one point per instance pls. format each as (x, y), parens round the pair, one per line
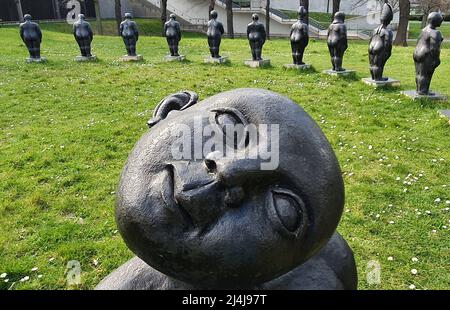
(31, 35)
(256, 34)
(83, 34)
(337, 43)
(214, 34)
(427, 53)
(299, 39)
(380, 49)
(130, 35)
(172, 31)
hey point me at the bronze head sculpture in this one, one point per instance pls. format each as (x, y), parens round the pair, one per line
(216, 222)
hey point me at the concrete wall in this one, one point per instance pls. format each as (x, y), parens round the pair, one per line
(107, 8)
(347, 6)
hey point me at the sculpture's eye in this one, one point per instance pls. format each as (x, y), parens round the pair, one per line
(289, 211)
(233, 125)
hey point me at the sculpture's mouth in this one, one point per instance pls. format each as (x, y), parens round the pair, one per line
(168, 195)
(192, 195)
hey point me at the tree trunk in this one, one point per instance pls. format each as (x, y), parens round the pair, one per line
(212, 3)
(118, 13)
(268, 19)
(424, 19)
(57, 9)
(98, 17)
(230, 28)
(163, 14)
(336, 7)
(19, 9)
(402, 31)
(305, 4)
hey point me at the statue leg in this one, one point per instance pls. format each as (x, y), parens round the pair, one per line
(30, 48)
(301, 51)
(37, 49)
(372, 65)
(211, 46)
(175, 47)
(217, 49)
(339, 55)
(82, 45)
(333, 57)
(258, 50)
(88, 47)
(132, 43)
(125, 41)
(379, 67)
(169, 42)
(294, 52)
(253, 48)
(425, 71)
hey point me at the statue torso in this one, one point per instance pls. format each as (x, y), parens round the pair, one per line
(299, 32)
(255, 31)
(336, 34)
(30, 31)
(215, 29)
(82, 29)
(171, 29)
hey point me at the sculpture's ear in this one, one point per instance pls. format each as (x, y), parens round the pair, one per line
(179, 101)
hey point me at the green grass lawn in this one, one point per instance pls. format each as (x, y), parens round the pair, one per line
(67, 129)
(323, 18)
(415, 28)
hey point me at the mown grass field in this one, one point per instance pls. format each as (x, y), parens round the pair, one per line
(66, 130)
(415, 28)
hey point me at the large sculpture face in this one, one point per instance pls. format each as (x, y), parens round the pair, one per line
(220, 222)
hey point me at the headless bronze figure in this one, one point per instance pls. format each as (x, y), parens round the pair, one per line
(427, 53)
(214, 33)
(299, 36)
(31, 35)
(256, 34)
(83, 35)
(172, 31)
(380, 47)
(337, 41)
(130, 34)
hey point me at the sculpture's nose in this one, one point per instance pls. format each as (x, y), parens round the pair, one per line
(201, 190)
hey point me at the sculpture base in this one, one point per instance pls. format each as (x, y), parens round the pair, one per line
(388, 83)
(257, 63)
(132, 58)
(36, 60)
(84, 58)
(212, 60)
(298, 67)
(445, 113)
(339, 73)
(415, 96)
(170, 58)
